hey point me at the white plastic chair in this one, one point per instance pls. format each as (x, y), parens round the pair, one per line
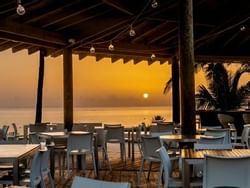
(246, 118)
(225, 119)
(101, 137)
(115, 134)
(222, 171)
(244, 143)
(45, 169)
(167, 167)
(80, 144)
(215, 132)
(92, 183)
(212, 139)
(149, 146)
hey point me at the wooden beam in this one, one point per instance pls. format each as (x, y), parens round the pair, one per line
(127, 59)
(21, 30)
(60, 18)
(149, 32)
(115, 58)
(7, 45)
(82, 55)
(15, 38)
(33, 50)
(68, 88)
(83, 19)
(156, 38)
(20, 47)
(118, 4)
(50, 11)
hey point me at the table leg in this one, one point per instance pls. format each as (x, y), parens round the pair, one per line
(52, 162)
(129, 154)
(96, 156)
(133, 145)
(185, 173)
(16, 172)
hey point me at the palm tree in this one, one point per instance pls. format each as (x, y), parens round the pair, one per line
(223, 91)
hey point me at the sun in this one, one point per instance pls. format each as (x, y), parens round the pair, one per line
(145, 95)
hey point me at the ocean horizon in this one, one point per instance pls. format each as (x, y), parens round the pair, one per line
(127, 116)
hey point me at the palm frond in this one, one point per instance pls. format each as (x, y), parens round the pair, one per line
(168, 86)
(206, 96)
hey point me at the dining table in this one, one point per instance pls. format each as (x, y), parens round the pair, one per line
(191, 157)
(14, 153)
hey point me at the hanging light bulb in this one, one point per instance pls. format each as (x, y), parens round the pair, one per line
(92, 50)
(131, 31)
(111, 47)
(153, 56)
(154, 4)
(20, 9)
(242, 28)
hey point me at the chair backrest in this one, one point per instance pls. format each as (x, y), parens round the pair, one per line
(101, 137)
(35, 170)
(246, 118)
(78, 141)
(150, 145)
(219, 132)
(34, 138)
(226, 172)
(80, 127)
(115, 133)
(245, 135)
(92, 183)
(54, 127)
(112, 125)
(224, 119)
(165, 161)
(5, 129)
(38, 127)
(198, 146)
(211, 140)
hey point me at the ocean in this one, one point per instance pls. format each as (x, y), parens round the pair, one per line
(127, 116)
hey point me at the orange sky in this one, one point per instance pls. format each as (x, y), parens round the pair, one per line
(99, 83)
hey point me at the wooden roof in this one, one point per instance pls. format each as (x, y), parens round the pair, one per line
(221, 28)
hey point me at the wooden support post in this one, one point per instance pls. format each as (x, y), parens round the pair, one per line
(39, 100)
(186, 48)
(175, 91)
(68, 88)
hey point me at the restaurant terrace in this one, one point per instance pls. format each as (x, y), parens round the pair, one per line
(183, 33)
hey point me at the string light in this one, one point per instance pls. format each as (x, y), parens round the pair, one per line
(131, 31)
(154, 4)
(152, 57)
(242, 28)
(20, 9)
(111, 47)
(92, 50)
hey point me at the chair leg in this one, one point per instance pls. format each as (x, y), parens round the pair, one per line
(106, 157)
(94, 163)
(149, 169)
(140, 173)
(160, 176)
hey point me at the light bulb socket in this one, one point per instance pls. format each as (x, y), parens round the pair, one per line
(154, 4)
(111, 47)
(92, 50)
(20, 9)
(152, 57)
(132, 32)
